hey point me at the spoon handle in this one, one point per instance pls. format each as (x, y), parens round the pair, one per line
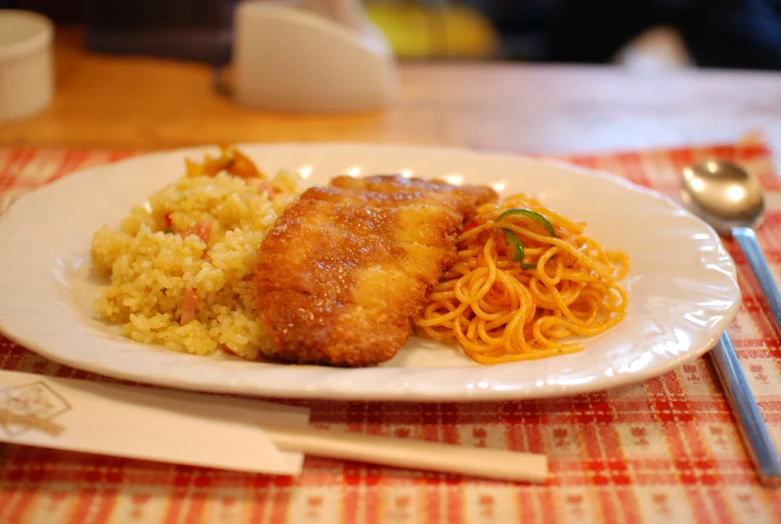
(748, 243)
(751, 425)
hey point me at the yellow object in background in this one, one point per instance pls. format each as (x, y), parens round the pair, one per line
(448, 31)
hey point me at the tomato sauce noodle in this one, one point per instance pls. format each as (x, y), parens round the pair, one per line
(528, 284)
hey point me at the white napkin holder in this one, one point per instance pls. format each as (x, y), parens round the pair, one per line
(287, 57)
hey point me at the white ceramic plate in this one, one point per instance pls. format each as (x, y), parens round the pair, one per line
(682, 285)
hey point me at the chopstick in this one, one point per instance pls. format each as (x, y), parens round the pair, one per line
(6, 199)
(413, 454)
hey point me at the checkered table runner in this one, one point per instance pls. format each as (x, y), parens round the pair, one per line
(664, 450)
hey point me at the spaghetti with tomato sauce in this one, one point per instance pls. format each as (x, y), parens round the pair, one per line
(526, 283)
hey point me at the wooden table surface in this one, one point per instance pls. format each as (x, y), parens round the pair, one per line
(666, 450)
(147, 103)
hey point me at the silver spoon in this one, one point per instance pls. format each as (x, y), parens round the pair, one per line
(731, 200)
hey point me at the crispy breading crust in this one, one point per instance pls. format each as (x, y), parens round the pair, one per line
(347, 267)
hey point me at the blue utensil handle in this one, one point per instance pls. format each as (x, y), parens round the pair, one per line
(753, 429)
(747, 240)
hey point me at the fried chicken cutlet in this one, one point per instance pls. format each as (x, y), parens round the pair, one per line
(347, 267)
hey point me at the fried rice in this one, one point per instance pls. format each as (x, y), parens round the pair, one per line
(181, 265)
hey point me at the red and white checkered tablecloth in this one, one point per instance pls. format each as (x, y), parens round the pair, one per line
(664, 450)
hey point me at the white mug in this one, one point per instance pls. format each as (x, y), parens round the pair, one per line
(26, 71)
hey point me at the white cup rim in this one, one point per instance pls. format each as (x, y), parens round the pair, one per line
(44, 29)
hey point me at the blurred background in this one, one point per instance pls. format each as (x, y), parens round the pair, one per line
(742, 34)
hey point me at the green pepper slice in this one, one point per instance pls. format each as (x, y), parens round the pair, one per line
(541, 220)
(514, 241)
(516, 244)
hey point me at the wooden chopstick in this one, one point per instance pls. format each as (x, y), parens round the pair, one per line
(412, 454)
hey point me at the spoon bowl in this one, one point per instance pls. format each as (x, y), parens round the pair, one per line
(723, 194)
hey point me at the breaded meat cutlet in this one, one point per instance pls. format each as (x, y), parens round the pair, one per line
(347, 267)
